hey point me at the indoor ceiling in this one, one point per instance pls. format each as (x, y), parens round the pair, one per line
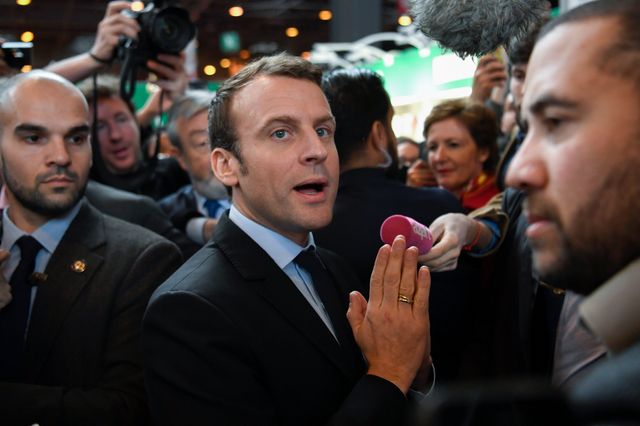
(65, 27)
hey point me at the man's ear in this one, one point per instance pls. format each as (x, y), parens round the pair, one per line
(378, 136)
(225, 166)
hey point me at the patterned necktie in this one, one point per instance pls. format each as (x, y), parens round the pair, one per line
(14, 316)
(212, 207)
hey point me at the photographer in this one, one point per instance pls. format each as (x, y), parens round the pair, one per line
(120, 159)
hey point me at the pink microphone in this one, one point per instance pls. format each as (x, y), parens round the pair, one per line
(415, 233)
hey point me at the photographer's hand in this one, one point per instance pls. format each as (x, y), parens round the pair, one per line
(172, 77)
(114, 25)
(172, 81)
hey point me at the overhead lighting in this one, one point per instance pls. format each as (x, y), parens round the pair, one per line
(245, 54)
(137, 6)
(236, 11)
(209, 70)
(325, 15)
(225, 63)
(292, 32)
(306, 55)
(26, 68)
(26, 36)
(405, 20)
(23, 2)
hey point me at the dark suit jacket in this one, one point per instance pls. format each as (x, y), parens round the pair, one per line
(140, 210)
(82, 356)
(180, 207)
(365, 199)
(611, 391)
(517, 317)
(229, 340)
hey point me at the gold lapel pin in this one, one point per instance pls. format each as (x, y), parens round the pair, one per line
(79, 266)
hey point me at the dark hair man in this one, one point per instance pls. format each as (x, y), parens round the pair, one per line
(252, 329)
(79, 279)
(578, 167)
(366, 197)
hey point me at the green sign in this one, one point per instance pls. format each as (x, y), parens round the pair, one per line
(230, 42)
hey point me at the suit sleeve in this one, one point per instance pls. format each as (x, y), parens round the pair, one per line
(117, 395)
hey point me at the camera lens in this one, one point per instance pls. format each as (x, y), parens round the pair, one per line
(171, 30)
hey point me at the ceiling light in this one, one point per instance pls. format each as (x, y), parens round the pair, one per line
(26, 36)
(209, 70)
(26, 68)
(245, 54)
(137, 6)
(236, 11)
(225, 63)
(325, 15)
(405, 20)
(292, 32)
(23, 2)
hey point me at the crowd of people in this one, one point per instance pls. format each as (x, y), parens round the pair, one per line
(241, 279)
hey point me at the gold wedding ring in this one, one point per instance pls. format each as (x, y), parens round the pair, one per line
(404, 299)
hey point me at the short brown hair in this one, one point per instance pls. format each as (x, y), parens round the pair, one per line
(622, 57)
(477, 118)
(107, 86)
(221, 131)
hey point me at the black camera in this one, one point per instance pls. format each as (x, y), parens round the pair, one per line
(165, 27)
(16, 54)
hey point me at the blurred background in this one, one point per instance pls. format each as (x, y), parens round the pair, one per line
(376, 34)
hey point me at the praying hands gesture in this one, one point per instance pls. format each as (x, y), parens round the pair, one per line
(392, 328)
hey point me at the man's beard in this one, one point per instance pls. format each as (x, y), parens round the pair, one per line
(210, 188)
(603, 236)
(35, 201)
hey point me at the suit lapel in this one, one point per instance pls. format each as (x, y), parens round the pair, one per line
(69, 270)
(263, 276)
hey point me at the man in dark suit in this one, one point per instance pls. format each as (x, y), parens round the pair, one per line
(194, 208)
(578, 168)
(366, 197)
(252, 329)
(79, 279)
(139, 210)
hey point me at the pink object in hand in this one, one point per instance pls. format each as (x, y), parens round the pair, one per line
(415, 233)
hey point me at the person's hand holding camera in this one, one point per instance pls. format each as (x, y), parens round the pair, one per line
(172, 77)
(113, 26)
(172, 82)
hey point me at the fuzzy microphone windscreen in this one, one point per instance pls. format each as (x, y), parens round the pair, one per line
(476, 27)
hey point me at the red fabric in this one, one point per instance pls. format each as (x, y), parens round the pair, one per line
(479, 192)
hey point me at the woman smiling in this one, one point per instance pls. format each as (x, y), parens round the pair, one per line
(462, 150)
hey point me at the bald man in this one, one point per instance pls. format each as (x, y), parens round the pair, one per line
(77, 280)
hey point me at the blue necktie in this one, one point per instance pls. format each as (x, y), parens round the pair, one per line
(212, 207)
(14, 316)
